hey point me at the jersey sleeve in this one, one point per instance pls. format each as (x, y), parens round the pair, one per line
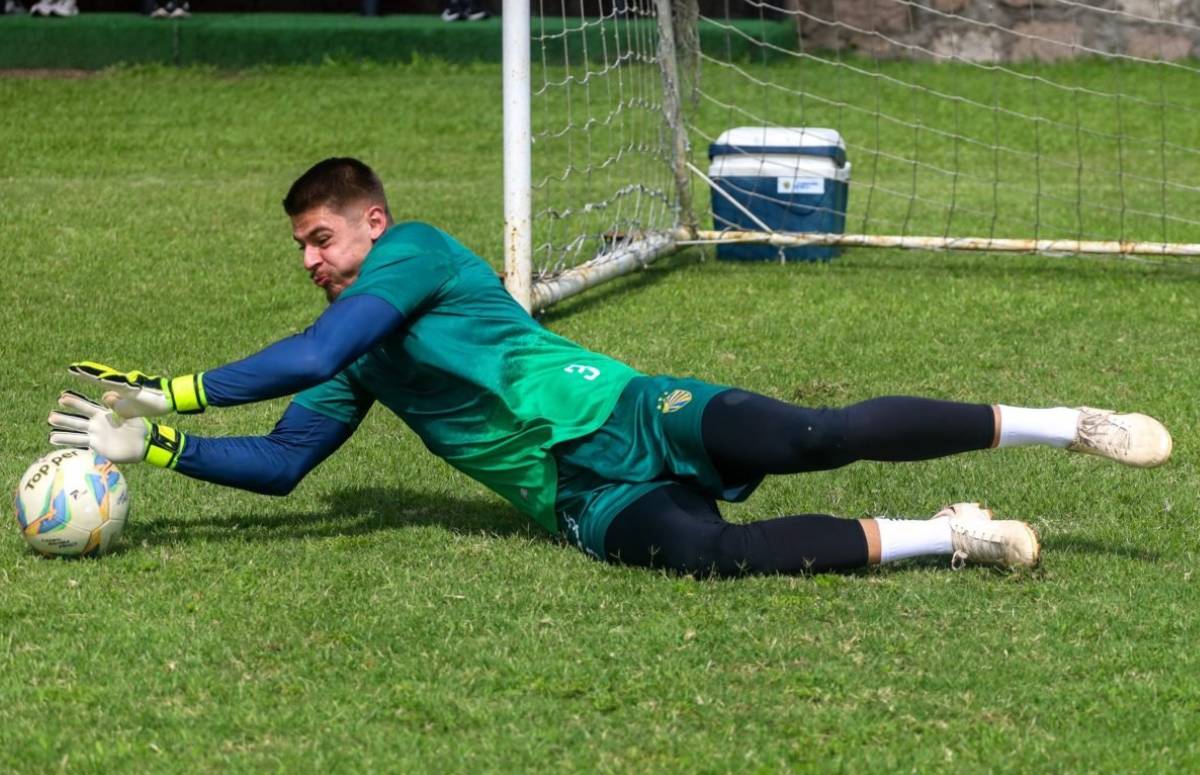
(272, 464)
(340, 398)
(346, 330)
(409, 282)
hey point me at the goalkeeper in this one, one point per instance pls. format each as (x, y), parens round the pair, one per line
(626, 466)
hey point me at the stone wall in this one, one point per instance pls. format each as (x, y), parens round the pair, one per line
(1002, 30)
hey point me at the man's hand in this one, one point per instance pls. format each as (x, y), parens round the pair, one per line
(120, 440)
(134, 394)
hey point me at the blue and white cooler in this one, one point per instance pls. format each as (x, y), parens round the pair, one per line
(790, 178)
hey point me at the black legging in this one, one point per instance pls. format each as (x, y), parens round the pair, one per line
(747, 436)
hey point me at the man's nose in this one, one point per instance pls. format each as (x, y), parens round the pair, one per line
(311, 257)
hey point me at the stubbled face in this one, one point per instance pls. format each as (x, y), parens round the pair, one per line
(335, 243)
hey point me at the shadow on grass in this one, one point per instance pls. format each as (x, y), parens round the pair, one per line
(350, 512)
(1075, 545)
(362, 511)
(941, 263)
(952, 263)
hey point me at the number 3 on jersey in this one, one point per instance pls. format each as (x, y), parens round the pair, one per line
(587, 372)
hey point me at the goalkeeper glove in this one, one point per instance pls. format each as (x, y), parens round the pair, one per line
(134, 394)
(119, 439)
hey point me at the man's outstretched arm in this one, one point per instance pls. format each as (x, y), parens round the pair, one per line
(272, 465)
(348, 329)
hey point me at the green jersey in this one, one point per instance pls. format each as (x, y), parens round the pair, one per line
(483, 385)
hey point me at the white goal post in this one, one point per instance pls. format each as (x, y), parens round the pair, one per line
(608, 185)
(1044, 126)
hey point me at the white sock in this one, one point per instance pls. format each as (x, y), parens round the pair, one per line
(1021, 427)
(900, 539)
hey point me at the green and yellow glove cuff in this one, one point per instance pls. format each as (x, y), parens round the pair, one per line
(164, 445)
(186, 392)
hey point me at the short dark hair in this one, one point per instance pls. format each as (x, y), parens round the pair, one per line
(335, 183)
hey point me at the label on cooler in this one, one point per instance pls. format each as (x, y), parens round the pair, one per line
(811, 186)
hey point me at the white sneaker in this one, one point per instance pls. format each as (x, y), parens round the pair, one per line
(1132, 439)
(64, 8)
(41, 8)
(978, 539)
(967, 511)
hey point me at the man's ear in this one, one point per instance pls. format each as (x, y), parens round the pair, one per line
(377, 220)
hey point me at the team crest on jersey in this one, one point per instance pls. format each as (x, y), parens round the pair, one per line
(674, 401)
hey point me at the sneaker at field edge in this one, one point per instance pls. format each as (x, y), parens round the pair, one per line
(1133, 439)
(455, 11)
(64, 8)
(41, 8)
(160, 11)
(179, 10)
(476, 13)
(977, 539)
(14, 7)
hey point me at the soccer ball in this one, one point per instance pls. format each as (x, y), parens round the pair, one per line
(72, 502)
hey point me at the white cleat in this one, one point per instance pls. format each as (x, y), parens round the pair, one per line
(1132, 439)
(64, 9)
(978, 539)
(967, 511)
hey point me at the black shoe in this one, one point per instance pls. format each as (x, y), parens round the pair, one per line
(476, 12)
(170, 10)
(455, 11)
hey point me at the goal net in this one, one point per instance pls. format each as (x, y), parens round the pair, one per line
(1051, 126)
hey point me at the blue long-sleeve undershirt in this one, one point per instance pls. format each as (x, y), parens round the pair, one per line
(273, 464)
(346, 330)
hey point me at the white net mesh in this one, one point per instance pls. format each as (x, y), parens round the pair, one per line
(1014, 121)
(1053, 120)
(601, 172)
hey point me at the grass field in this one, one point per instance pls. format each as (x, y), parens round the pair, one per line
(392, 615)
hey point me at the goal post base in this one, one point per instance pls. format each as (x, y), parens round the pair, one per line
(642, 251)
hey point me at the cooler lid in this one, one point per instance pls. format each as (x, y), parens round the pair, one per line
(801, 141)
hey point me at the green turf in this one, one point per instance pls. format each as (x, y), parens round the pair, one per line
(391, 615)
